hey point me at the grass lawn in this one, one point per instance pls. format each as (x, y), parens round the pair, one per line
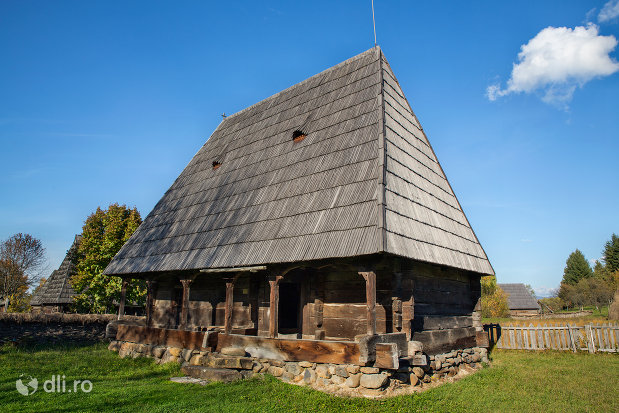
(517, 381)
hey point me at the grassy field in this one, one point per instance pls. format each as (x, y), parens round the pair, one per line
(517, 381)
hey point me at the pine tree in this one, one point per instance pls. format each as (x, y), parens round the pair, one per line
(576, 268)
(611, 254)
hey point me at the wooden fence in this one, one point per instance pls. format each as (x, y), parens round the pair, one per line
(590, 337)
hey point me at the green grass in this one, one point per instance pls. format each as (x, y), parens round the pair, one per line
(517, 381)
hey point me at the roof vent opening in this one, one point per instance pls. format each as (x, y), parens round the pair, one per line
(216, 165)
(298, 136)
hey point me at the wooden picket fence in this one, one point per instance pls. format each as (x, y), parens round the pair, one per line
(590, 337)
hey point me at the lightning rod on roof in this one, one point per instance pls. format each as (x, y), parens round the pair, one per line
(374, 23)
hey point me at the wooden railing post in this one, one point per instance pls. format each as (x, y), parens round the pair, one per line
(370, 298)
(151, 289)
(123, 296)
(229, 304)
(274, 305)
(184, 303)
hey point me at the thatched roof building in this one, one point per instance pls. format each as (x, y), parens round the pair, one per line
(328, 180)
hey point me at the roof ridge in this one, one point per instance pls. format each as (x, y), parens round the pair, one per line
(297, 85)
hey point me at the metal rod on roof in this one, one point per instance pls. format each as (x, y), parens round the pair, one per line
(236, 269)
(374, 23)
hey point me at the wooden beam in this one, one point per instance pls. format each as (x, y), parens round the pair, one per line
(228, 308)
(370, 297)
(184, 303)
(151, 289)
(274, 305)
(123, 296)
(255, 268)
(315, 351)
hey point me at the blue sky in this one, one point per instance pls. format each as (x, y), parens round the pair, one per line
(107, 101)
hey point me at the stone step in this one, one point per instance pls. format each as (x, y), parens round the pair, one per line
(211, 374)
(218, 361)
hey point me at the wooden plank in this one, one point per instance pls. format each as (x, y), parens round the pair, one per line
(370, 296)
(441, 341)
(274, 305)
(533, 336)
(315, 351)
(512, 338)
(158, 336)
(123, 296)
(228, 308)
(387, 356)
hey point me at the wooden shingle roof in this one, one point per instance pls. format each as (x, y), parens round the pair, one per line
(57, 289)
(519, 297)
(364, 180)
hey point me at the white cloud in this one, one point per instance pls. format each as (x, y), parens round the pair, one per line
(543, 292)
(557, 61)
(609, 11)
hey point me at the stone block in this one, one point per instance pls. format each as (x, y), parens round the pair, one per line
(309, 376)
(175, 351)
(413, 379)
(186, 354)
(353, 381)
(353, 369)
(322, 371)
(340, 371)
(206, 373)
(276, 371)
(158, 351)
(337, 379)
(305, 364)
(228, 362)
(418, 371)
(369, 370)
(293, 368)
(373, 381)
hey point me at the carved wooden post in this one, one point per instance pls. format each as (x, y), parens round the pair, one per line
(184, 303)
(151, 288)
(370, 298)
(229, 304)
(274, 305)
(123, 296)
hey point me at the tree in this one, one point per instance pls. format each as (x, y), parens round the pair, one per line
(104, 233)
(22, 258)
(530, 290)
(611, 254)
(576, 268)
(493, 299)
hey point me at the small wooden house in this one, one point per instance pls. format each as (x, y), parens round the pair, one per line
(56, 294)
(520, 300)
(308, 224)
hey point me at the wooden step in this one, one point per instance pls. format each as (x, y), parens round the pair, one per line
(211, 374)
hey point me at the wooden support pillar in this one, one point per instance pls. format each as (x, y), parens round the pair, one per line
(274, 305)
(185, 303)
(370, 298)
(229, 304)
(123, 296)
(151, 291)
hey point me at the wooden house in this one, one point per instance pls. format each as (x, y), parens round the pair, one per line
(520, 300)
(56, 294)
(314, 225)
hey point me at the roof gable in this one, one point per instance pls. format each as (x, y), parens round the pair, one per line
(333, 194)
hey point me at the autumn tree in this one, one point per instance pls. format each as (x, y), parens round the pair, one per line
(22, 260)
(104, 233)
(493, 299)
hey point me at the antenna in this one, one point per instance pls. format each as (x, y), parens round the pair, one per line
(374, 23)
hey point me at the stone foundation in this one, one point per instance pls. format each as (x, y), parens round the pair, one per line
(350, 380)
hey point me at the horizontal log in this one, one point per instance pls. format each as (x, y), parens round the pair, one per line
(442, 341)
(387, 356)
(316, 351)
(161, 337)
(421, 323)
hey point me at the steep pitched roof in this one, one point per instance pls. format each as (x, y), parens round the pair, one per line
(57, 289)
(519, 297)
(364, 180)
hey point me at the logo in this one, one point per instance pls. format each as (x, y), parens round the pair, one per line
(26, 385)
